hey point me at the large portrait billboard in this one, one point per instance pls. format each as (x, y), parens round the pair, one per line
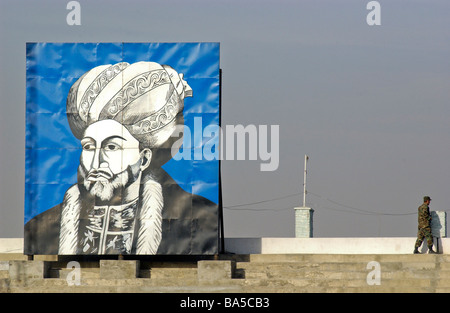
(110, 166)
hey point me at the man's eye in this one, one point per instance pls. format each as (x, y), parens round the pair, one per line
(111, 147)
(89, 147)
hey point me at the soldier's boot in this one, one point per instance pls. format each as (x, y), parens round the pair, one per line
(431, 251)
(416, 250)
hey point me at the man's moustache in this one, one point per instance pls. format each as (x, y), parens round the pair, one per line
(100, 174)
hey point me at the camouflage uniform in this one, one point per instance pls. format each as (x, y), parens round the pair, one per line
(424, 230)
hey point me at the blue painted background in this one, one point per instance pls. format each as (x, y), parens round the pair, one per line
(52, 152)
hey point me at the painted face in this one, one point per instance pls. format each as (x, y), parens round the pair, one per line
(110, 154)
(108, 148)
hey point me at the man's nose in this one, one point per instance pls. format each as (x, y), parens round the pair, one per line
(98, 160)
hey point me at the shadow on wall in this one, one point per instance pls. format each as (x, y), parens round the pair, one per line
(243, 245)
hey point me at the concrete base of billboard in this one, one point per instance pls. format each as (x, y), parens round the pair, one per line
(119, 269)
(215, 270)
(27, 270)
(254, 273)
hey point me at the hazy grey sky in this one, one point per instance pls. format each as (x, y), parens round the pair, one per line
(368, 104)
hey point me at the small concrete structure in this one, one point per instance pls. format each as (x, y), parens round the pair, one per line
(119, 269)
(26, 270)
(303, 222)
(215, 270)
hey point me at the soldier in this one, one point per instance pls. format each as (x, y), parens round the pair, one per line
(424, 230)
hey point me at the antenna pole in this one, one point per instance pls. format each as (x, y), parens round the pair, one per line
(304, 183)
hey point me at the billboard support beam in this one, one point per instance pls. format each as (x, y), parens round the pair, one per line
(221, 229)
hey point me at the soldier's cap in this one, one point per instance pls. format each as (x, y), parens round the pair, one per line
(426, 198)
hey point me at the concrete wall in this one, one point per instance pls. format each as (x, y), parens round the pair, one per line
(376, 245)
(391, 245)
(11, 245)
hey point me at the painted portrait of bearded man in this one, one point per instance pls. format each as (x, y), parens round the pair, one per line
(124, 116)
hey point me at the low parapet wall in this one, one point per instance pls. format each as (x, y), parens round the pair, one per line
(373, 245)
(11, 245)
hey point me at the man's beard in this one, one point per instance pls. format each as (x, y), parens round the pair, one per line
(102, 183)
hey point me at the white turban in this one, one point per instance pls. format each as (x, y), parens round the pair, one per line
(145, 97)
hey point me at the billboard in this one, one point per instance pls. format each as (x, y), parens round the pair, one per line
(110, 166)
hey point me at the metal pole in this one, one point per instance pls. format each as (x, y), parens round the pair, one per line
(304, 183)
